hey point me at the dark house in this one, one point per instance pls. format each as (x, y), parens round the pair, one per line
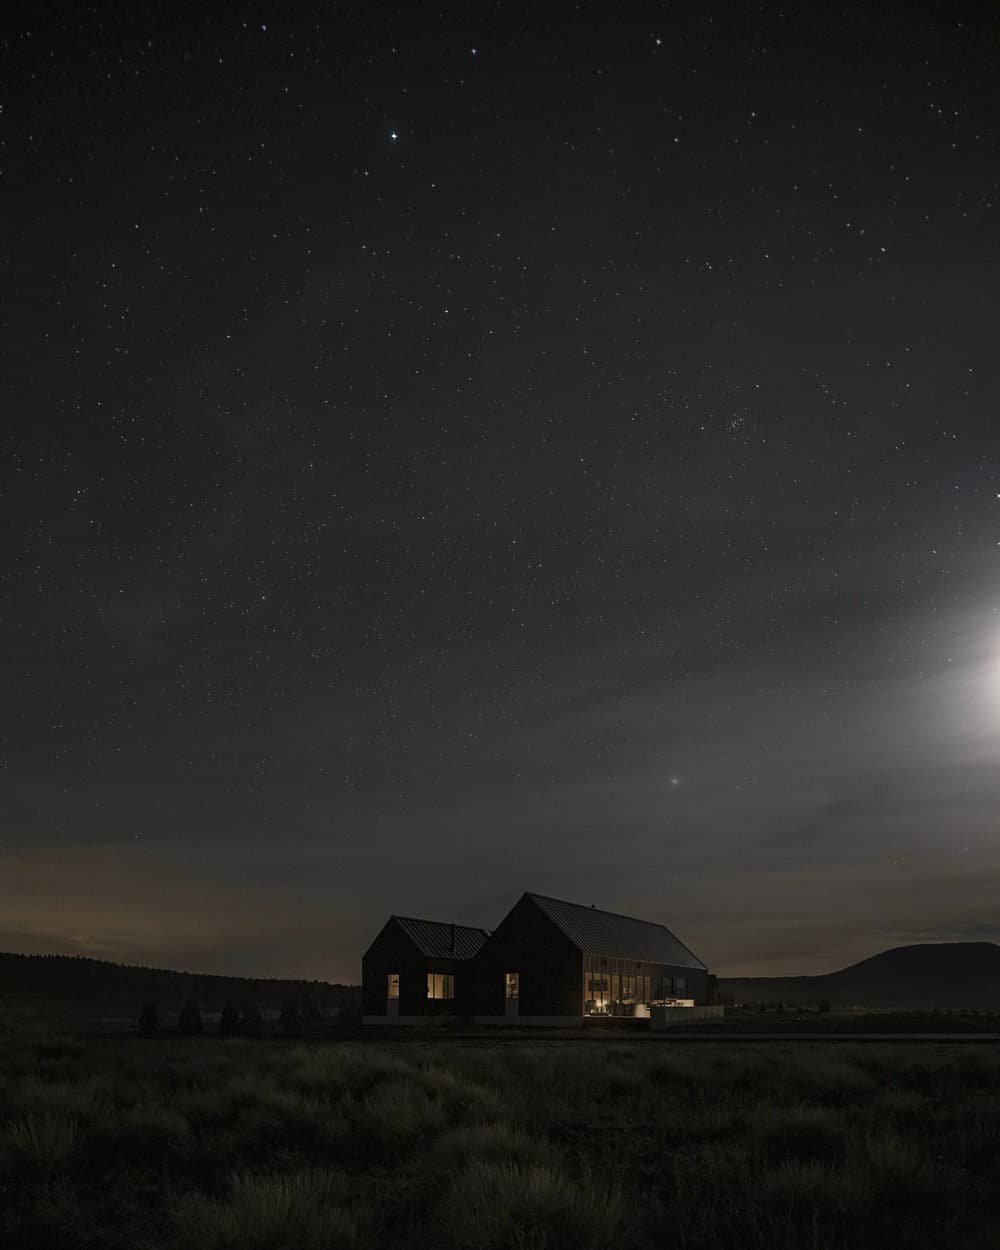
(419, 968)
(551, 962)
(548, 962)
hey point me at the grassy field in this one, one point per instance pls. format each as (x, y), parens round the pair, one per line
(517, 1145)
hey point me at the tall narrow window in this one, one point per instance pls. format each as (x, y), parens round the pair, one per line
(392, 990)
(440, 985)
(512, 985)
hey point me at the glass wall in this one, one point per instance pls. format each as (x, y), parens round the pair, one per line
(615, 986)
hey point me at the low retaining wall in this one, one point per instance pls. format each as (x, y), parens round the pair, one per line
(412, 1021)
(664, 1017)
(536, 1022)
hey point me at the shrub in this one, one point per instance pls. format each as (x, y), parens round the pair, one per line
(283, 1118)
(149, 1020)
(60, 1048)
(251, 1021)
(189, 1021)
(79, 1101)
(901, 1108)
(459, 1096)
(497, 1142)
(809, 1189)
(269, 1213)
(140, 1135)
(290, 1020)
(399, 1112)
(313, 1079)
(828, 1079)
(497, 1206)
(800, 1132)
(229, 1021)
(672, 1071)
(39, 1143)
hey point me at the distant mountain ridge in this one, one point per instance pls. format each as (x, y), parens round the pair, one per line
(942, 975)
(84, 980)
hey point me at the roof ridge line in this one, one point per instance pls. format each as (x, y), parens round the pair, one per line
(446, 923)
(590, 907)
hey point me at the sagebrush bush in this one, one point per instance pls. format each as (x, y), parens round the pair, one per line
(60, 1048)
(673, 1072)
(508, 1206)
(283, 1118)
(82, 1101)
(301, 1211)
(39, 1143)
(460, 1097)
(399, 1112)
(496, 1142)
(811, 1189)
(832, 1081)
(137, 1135)
(800, 1132)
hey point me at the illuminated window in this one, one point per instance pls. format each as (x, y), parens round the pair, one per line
(512, 985)
(393, 987)
(440, 985)
(595, 993)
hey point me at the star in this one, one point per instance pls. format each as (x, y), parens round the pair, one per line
(393, 136)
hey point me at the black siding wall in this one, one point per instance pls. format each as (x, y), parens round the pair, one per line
(550, 966)
(394, 951)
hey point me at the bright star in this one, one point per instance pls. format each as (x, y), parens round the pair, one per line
(393, 136)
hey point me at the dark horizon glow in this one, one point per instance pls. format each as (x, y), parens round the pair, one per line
(453, 455)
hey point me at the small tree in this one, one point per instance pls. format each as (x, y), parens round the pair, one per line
(189, 1021)
(251, 1021)
(149, 1020)
(290, 1020)
(229, 1021)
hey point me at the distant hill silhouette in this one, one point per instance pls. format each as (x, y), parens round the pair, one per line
(947, 975)
(96, 980)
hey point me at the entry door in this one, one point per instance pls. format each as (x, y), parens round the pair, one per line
(392, 994)
(512, 993)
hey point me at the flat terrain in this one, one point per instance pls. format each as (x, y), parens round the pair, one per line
(497, 1143)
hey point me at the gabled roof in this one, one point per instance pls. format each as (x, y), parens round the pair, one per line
(442, 941)
(617, 937)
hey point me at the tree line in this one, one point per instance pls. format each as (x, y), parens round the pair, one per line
(83, 979)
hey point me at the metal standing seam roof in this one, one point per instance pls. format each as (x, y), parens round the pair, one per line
(604, 933)
(434, 938)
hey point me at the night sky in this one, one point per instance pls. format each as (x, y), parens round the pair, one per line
(454, 451)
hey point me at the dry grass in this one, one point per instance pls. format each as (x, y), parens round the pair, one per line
(424, 1146)
(304, 1210)
(39, 1143)
(497, 1143)
(507, 1206)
